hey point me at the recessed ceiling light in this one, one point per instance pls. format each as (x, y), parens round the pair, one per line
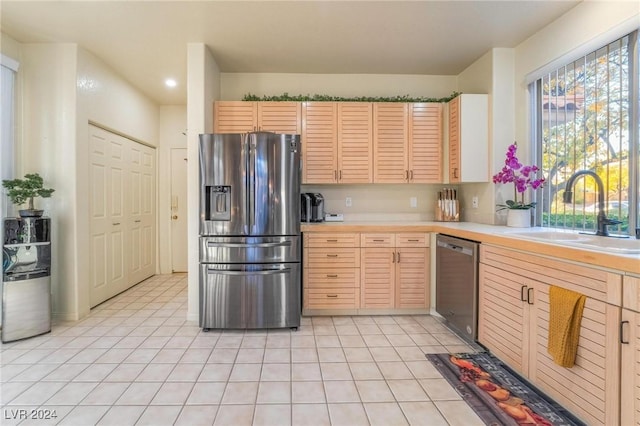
(170, 82)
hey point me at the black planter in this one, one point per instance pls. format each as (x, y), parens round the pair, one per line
(30, 213)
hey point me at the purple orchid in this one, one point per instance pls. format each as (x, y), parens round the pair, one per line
(521, 176)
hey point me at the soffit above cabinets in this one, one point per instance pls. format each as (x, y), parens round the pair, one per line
(146, 41)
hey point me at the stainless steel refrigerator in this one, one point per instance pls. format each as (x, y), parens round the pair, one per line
(250, 244)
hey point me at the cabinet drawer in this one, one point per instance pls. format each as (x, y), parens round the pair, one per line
(332, 278)
(339, 298)
(377, 240)
(412, 240)
(595, 283)
(331, 240)
(332, 257)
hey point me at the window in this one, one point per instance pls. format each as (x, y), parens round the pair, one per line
(8, 70)
(585, 121)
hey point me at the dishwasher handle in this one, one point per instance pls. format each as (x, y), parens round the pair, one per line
(454, 247)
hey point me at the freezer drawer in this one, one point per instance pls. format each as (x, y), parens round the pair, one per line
(26, 308)
(250, 296)
(243, 250)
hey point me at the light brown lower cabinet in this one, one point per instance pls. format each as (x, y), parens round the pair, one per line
(386, 272)
(513, 324)
(331, 271)
(630, 343)
(395, 270)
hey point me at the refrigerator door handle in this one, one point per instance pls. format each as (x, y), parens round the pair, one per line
(237, 245)
(251, 149)
(263, 272)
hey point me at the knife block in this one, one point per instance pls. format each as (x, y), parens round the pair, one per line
(447, 211)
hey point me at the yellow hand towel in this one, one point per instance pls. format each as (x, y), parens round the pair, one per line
(565, 315)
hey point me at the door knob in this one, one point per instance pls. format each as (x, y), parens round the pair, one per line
(174, 217)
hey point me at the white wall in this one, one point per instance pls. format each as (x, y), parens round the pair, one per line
(173, 126)
(491, 74)
(62, 88)
(106, 99)
(378, 201)
(203, 88)
(235, 86)
(48, 147)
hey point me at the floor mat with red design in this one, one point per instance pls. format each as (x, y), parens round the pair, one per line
(497, 394)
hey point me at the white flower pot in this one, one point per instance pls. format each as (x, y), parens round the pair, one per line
(517, 218)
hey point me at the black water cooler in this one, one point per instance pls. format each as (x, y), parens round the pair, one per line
(26, 276)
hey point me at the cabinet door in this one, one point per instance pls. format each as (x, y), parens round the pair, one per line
(425, 143)
(412, 275)
(390, 142)
(280, 117)
(378, 278)
(234, 117)
(319, 142)
(630, 395)
(454, 140)
(355, 135)
(589, 389)
(503, 323)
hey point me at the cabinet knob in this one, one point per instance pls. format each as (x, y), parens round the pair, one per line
(174, 217)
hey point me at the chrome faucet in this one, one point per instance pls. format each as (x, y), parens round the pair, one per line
(603, 220)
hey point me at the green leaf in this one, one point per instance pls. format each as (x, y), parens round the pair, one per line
(285, 97)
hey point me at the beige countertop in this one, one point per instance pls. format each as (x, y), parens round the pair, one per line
(491, 234)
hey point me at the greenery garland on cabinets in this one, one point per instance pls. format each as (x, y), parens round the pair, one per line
(285, 97)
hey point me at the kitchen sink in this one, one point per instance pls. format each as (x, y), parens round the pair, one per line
(612, 244)
(552, 235)
(586, 241)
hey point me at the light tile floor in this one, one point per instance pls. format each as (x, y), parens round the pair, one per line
(136, 360)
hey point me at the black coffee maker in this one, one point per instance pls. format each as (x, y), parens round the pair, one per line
(317, 207)
(305, 207)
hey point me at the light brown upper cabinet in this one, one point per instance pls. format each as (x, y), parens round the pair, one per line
(320, 142)
(425, 142)
(336, 142)
(355, 134)
(390, 142)
(242, 116)
(407, 140)
(469, 138)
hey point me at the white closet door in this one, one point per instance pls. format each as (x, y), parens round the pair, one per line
(122, 208)
(107, 210)
(142, 212)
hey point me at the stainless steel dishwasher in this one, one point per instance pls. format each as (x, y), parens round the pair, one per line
(457, 284)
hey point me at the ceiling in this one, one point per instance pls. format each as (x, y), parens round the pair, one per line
(146, 41)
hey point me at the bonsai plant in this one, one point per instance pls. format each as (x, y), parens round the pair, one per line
(22, 191)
